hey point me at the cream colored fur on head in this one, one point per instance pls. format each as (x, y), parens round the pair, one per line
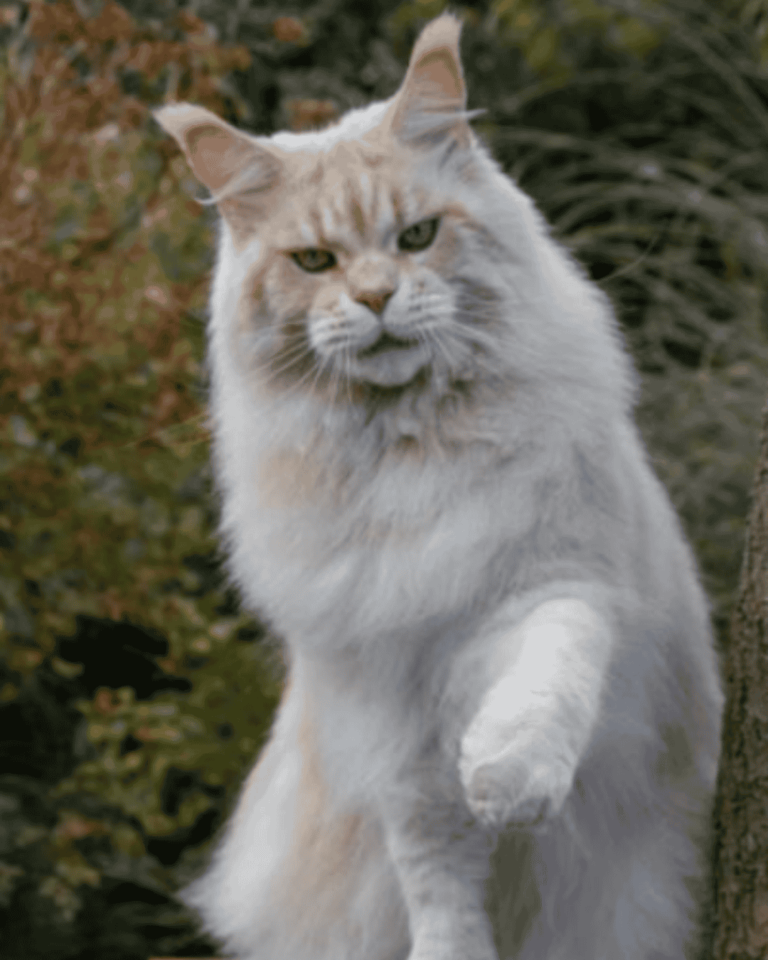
(500, 732)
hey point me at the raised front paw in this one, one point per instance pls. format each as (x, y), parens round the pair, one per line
(525, 783)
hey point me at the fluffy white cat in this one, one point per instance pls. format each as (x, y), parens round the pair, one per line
(500, 731)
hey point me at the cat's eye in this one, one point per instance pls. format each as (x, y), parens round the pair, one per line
(419, 236)
(313, 260)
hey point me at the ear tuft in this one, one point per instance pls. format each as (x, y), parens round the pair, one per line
(432, 98)
(436, 62)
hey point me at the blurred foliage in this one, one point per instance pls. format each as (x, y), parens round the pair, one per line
(120, 739)
(133, 690)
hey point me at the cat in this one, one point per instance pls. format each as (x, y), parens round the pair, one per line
(500, 729)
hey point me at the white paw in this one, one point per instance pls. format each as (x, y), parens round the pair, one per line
(525, 783)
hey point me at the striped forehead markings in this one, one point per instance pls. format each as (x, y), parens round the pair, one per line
(308, 234)
(360, 207)
(357, 211)
(327, 220)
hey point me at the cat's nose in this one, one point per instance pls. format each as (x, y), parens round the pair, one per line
(375, 300)
(372, 278)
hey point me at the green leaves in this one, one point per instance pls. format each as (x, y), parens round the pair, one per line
(105, 495)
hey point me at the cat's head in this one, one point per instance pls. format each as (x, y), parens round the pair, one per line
(359, 247)
(386, 255)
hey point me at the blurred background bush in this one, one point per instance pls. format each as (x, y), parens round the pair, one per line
(134, 691)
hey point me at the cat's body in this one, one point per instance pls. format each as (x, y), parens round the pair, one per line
(502, 715)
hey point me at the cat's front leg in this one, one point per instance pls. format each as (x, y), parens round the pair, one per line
(520, 752)
(441, 857)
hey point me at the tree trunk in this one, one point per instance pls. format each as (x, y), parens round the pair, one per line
(741, 805)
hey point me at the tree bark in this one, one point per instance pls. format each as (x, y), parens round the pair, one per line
(740, 925)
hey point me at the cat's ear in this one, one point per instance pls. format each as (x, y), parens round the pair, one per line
(218, 153)
(431, 103)
(239, 172)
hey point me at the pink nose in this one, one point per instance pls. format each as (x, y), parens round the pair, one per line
(375, 300)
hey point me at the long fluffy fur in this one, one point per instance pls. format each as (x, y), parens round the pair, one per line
(396, 538)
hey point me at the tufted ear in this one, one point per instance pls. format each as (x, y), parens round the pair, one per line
(431, 102)
(239, 172)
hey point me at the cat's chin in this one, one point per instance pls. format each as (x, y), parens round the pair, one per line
(395, 367)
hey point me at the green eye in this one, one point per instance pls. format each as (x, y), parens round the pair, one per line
(419, 236)
(313, 260)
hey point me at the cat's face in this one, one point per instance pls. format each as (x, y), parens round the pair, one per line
(362, 276)
(360, 254)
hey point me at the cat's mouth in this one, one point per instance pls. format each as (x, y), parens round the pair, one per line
(386, 342)
(390, 360)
